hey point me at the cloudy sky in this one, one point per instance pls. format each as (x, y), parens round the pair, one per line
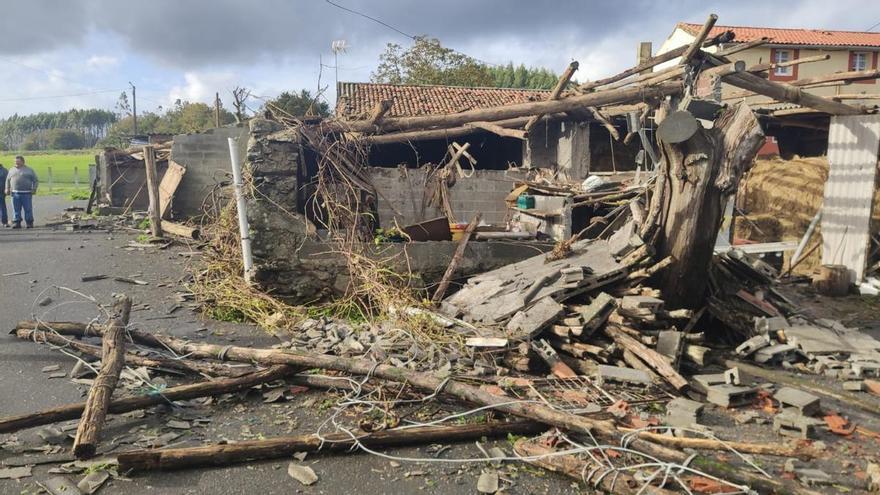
(59, 54)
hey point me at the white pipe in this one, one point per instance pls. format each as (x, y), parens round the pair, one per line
(805, 238)
(243, 227)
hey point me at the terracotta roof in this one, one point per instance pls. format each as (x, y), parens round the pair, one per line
(782, 36)
(356, 100)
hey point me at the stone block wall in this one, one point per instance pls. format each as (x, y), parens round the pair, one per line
(206, 158)
(403, 196)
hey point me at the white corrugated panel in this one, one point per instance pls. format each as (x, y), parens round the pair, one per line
(853, 144)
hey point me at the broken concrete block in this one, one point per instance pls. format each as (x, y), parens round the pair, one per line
(854, 386)
(670, 344)
(703, 382)
(596, 313)
(683, 412)
(813, 477)
(866, 369)
(806, 404)
(790, 465)
(774, 355)
(791, 424)
(753, 344)
(621, 375)
(731, 395)
(731, 376)
(873, 472)
(527, 323)
(764, 324)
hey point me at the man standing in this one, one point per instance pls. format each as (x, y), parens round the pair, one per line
(4, 215)
(21, 183)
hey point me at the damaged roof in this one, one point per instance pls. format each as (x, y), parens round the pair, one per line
(355, 100)
(783, 36)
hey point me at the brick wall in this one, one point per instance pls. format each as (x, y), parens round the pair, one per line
(402, 193)
(206, 158)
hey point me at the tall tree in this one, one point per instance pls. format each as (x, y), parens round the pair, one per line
(299, 105)
(428, 62)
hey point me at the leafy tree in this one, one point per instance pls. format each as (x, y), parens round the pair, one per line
(299, 105)
(428, 62)
(64, 139)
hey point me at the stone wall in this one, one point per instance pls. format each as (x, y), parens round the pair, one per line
(206, 158)
(402, 196)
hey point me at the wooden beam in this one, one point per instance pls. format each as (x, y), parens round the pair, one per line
(698, 40)
(564, 79)
(456, 259)
(798, 61)
(153, 190)
(273, 448)
(597, 99)
(501, 131)
(181, 230)
(788, 93)
(739, 47)
(379, 111)
(85, 444)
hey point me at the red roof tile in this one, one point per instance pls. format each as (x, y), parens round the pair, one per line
(784, 36)
(356, 100)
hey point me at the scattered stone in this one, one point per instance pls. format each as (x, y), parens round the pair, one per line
(496, 453)
(52, 435)
(806, 404)
(93, 481)
(746, 417)
(59, 485)
(488, 482)
(790, 423)
(873, 474)
(683, 412)
(45, 301)
(58, 374)
(14, 473)
(790, 465)
(178, 425)
(813, 477)
(300, 456)
(775, 355)
(854, 386)
(50, 368)
(303, 474)
(731, 395)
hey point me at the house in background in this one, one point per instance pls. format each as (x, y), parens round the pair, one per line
(797, 131)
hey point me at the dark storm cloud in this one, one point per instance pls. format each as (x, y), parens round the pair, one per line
(38, 25)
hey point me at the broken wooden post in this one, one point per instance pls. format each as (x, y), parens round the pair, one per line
(112, 361)
(379, 111)
(153, 190)
(456, 258)
(698, 40)
(180, 230)
(694, 181)
(652, 358)
(564, 79)
(500, 131)
(12, 424)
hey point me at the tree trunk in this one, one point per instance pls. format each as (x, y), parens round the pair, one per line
(225, 454)
(695, 178)
(112, 361)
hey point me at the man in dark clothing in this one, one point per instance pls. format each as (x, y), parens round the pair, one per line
(4, 215)
(21, 183)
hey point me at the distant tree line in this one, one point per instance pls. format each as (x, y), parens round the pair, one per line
(73, 129)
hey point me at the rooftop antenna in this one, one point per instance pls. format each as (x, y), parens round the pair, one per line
(337, 46)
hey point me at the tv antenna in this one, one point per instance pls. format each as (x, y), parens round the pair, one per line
(337, 46)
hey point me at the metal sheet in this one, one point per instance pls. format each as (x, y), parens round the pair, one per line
(853, 143)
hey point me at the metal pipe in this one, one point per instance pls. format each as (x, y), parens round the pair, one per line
(806, 238)
(243, 227)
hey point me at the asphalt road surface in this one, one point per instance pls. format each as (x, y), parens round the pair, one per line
(54, 262)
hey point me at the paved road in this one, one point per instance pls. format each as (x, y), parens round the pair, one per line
(59, 259)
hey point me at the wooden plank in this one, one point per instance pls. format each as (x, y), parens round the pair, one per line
(853, 143)
(153, 190)
(168, 186)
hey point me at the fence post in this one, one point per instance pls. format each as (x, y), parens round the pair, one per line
(50, 179)
(76, 178)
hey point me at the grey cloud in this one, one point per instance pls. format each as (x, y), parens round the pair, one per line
(39, 25)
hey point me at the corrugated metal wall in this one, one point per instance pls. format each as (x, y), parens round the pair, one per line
(853, 144)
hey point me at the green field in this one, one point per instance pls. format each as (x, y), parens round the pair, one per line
(64, 165)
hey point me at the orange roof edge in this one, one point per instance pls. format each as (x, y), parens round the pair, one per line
(792, 36)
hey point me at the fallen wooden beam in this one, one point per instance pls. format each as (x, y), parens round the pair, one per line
(456, 258)
(652, 358)
(834, 79)
(85, 444)
(500, 131)
(788, 93)
(803, 60)
(563, 81)
(379, 111)
(695, 45)
(180, 364)
(773, 449)
(274, 448)
(180, 230)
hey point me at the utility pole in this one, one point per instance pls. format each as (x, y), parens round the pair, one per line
(217, 109)
(134, 108)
